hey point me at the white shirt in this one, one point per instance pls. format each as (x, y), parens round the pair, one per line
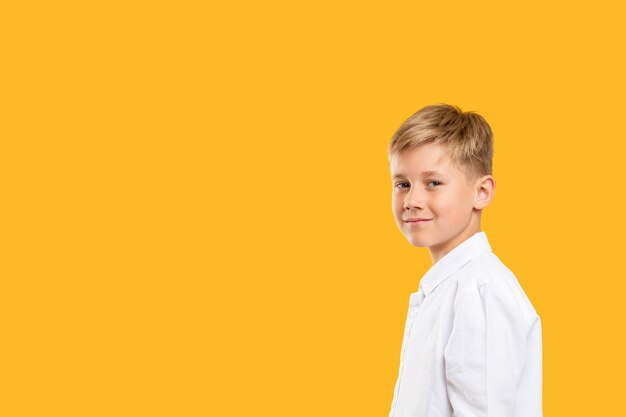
(472, 341)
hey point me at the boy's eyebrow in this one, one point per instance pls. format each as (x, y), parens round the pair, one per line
(424, 174)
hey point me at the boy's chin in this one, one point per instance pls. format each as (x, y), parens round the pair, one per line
(417, 242)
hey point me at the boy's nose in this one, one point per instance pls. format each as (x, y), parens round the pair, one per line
(413, 200)
(415, 197)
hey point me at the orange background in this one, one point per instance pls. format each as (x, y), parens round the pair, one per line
(197, 203)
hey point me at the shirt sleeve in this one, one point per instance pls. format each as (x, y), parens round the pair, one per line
(487, 358)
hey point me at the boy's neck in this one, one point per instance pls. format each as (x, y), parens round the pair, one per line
(438, 252)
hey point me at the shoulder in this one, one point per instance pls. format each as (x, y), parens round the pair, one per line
(488, 278)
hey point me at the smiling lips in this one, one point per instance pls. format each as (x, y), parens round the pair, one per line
(416, 220)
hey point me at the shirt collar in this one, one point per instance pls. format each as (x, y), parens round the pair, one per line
(475, 245)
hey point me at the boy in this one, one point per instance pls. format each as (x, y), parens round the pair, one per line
(472, 339)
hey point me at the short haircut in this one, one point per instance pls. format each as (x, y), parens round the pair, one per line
(466, 135)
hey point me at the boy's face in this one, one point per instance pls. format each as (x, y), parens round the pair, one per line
(427, 186)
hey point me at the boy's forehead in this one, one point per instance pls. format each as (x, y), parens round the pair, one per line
(414, 162)
(403, 174)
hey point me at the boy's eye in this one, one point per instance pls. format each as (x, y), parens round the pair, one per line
(400, 184)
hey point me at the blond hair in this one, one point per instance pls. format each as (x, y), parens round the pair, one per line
(466, 135)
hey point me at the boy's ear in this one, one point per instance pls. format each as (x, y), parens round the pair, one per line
(485, 188)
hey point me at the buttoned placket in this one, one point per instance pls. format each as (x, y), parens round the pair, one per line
(415, 302)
